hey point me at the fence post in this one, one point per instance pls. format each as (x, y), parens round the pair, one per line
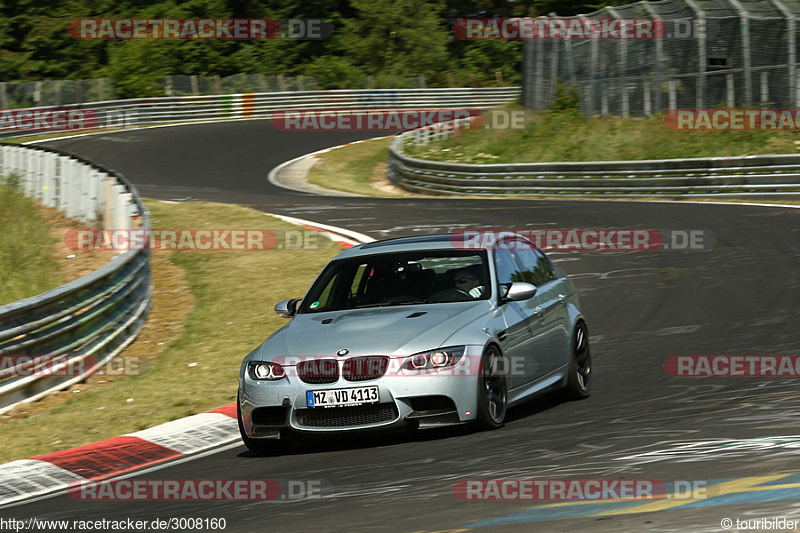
(659, 57)
(701, 53)
(673, 96)
(168, 91)
(193, 83)
(539, 75)
(623, 67)
(3, 96)
(731, 90)
(37, 92)
(553, 71)
(793, 100)
(594, 51)
(748, 69)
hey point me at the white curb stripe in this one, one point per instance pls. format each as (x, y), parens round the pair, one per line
(193, 433)
(360, 237)
(28, 477)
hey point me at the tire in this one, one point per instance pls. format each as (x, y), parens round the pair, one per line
(492, 390)
(579, 374)
(262, 446)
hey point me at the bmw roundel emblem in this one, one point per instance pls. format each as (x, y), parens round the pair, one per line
(343, 351)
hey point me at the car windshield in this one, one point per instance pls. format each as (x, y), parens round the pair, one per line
(406, 278)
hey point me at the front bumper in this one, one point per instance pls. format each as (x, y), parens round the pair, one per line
(419, 401)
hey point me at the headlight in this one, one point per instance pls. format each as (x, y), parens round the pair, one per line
(265, 371)
(443, 357)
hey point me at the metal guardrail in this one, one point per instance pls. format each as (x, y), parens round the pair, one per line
(144, 111)
(714, 177)
(87, 322)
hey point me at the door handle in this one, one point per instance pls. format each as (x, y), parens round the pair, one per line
(537, 311)
(562, 298)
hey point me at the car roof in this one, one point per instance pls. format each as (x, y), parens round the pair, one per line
(451, 241)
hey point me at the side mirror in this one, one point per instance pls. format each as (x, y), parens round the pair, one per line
(287, 308)
(520, 290)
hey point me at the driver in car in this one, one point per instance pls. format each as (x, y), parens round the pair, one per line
(468, 282)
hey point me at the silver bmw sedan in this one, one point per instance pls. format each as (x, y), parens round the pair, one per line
(416, 332)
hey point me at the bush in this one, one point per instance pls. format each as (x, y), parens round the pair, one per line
(567, 99)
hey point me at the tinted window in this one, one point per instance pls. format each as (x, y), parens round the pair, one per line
(536, 268)
(506, 267)
(400, 279)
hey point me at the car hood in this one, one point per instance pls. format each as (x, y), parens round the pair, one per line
(372, 331)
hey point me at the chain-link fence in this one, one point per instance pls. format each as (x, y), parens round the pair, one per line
(703, 54)
(55, 93)
(18, 95)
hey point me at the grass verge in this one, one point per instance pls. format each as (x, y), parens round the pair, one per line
(27, 266)
(569, 136)
(358, 168)
(210, 309)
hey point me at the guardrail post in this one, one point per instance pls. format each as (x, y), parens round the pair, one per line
(75, 188)
(85, 188)
(49, 179)
(28, 172)
(119, 207)
(40, 172)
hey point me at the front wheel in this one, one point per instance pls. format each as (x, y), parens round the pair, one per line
(492, 395)
(579, 373)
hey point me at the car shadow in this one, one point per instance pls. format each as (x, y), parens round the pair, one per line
(324, 443)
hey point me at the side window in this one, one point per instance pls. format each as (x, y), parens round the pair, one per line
(536, 268)
(544, 267)
(507, 269)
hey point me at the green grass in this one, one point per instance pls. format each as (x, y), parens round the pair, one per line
(228, 314)
(568, 136)
(349, 168)
(27, 267)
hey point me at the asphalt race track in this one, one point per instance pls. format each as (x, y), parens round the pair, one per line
(739, 298)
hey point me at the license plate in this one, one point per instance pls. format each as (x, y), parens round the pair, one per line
(340, 397)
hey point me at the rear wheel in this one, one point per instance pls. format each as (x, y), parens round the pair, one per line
(262, 446)
(579, 374)
(492, 390)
